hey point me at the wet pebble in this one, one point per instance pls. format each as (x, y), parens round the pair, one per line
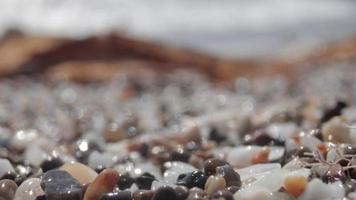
(197, 194)
(5, 167)
(240, 157)
(164, 193)
(60, 185)
(82, 173)
(181, 192)
(142, 195)
(144, 181)
(125, 181)
(29, 190)
(214, 183)
(335, 130)
(222, 195)
(174, 169)
(7, 189)
(104, 183)
(192, 179)
(253, 193)
(231, 177)
(316, 189)
(210, 165)
(51, 163)
(121, 195)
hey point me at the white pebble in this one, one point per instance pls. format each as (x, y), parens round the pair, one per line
(316, 189)
(5, 166)
(240, 157)
(100, 159)
(23, 138)
(29, 190)
(335, 130)
(253, 193)
(175, 169)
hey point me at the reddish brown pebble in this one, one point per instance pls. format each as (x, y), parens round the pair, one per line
(210, 165)
(7, 189)
(295, 185)
(104, 183)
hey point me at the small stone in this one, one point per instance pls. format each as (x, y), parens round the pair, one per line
(216, 136)
(142, 195)
(222, 195)
(253, 193)
(232, 189)
(42, 197)
(82, 173)
(316, 189)
(104, 183)
(174, 169)
(197, 194)
(60, 185)
(51, 163)
(5, 167)
(122, 195)
(164, 193)
(29, 190)
(22, 138)
(334, 173)
(125, 181)
(295, 185)
(210, 165)
(241, 156)
(214, 183)
(7, 189)
(181, 192)
(144, 182)
(100, 159)
(336, 131)
(192, 179)
(180, 155)
(231, 177)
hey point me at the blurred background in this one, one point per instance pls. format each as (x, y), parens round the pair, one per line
(229, 28)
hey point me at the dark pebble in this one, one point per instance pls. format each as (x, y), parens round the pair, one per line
(60, 185)
(142, 195)
(122, 195)
(334, 173)
(42, 197)
(99, 169)
(7, 189)
(232, 178)
(125, 181)
(192, 179)
(332, 112)
(181, 192)
(216, 136)
(164, 193)
(144, 181)
(222, 195)
(144, 149)
(180, 155)
(51, 163)
(210, 165)
(197, 194)
(232, 189)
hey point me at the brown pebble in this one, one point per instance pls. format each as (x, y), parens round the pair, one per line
(197, 194)
(232, 189)
(104, 183)
(222, 195)
(7, 189)
(142, 195)
(210, 165)
(214, 183)
(181, 192)
(231, 177)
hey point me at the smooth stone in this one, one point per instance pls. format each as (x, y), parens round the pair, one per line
(335, 130)
(125, 181)
(253, 193)
(192, 179)
(210, 165)
(60, 185)
(222, 194)
(104, 183)
(181, 192)
(214, 183)
(121, 195)
(157, 184)
(231, 177)
(197, 194)
(51, 163)
(316, 189)
(35, 155)
(5, 167)
(7, 189)
(29, 190)
(144, 182)
(175, 169)
(82, 173)
(240, 157)
(142, 195)
(164, 193)
(100, 159)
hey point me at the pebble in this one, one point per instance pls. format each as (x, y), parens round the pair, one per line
(231, 177)
(174, 169)
(240, 157)
(22, 138)
(5, 167)
(82, 173)
(232, 189)
(35, 155)
(295, 185)
(104, 183)
(7, 189)
(121, 195)
(210, 165)
(125, 181)
(192, 179)
(51, 163)
(164, 193)
(253, 193)
(29, 190)
(144, 181)
(142, 195)
(197, 194)
(100, 159)
(222, 194)
(60, 185)
(316, 189)
(335, 130)
(181, 192)
(180, 155)
(213, 184)
(335, 173)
